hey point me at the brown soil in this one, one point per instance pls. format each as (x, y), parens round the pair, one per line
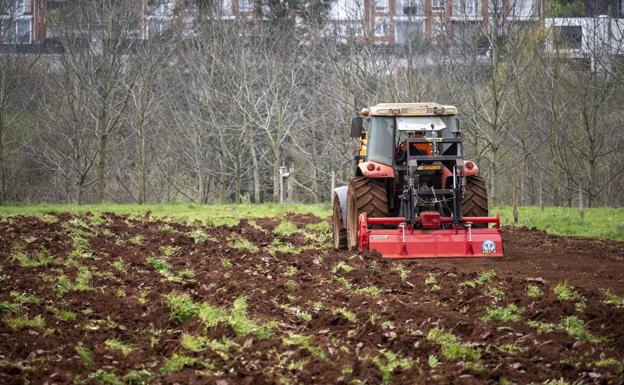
(352, 331)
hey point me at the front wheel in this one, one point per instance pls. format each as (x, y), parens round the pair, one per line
(364, 195)
(340, 233)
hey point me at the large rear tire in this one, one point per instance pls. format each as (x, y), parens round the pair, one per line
(364, 195)
(475, 202)
(340, 233)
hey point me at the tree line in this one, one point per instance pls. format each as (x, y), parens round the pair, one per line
(211, 116)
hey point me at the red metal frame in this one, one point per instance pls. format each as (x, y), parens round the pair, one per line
(451, 242)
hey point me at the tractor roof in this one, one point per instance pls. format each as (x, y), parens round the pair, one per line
(412, 109)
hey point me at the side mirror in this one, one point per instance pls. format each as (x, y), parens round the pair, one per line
(357, 127)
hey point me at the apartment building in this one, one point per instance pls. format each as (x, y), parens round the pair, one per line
(22, 22)
(402, 21)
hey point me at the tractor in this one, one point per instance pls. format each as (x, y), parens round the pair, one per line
(413, 195)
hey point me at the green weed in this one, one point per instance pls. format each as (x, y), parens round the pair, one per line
(143, 297)
(182, 307)
(321, 227)
(85, 355)
(495, 292)
(433, 361)
(542, 327)
(305, 342)
(236, 318)
(193, 343)
(176, 363)
(226, 263)
(509, 313)
(120, 265)
(303, 315)
(290, 285)
(342, 266)
(240, 243)
(105, 378)
(512, 348)
(42, 258)
(285, 248)
(451, 347)
(373, 291)
(484, 277)
(212, 315)
(7, 307)
(291, 271)
(575, 327)
(432, 282)
(388, 362)
(346, 313)
(21, 322)
(534, 291)
(83, 279)
(138, 377)
(285, 229)
(161, 266)
(168, 251)
(24, 298)
(63, 315)
(137, 240)
(613, 300)
(199, 235)
(402, 270)
(115, 344)
(565, 292)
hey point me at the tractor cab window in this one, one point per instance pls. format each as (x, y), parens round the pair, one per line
(380, 147)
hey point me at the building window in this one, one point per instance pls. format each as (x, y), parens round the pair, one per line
(496, 5)
(18, 31)
(465, 7)
(437, 5)
(382, 29)
(569, 36)
(245, 5)
(382, 6)
(162, 8)
(22, 7)
(411, 7)
(438, 27)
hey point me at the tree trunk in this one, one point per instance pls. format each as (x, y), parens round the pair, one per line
(254, 166)
(580, 199)
(101, 168)
(141, 165)
(494, 178)
(2, 182)
(237, 180)
(276, 178)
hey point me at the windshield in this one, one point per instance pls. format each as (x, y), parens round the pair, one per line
(380, 146)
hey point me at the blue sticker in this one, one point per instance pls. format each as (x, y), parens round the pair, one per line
(488, 247)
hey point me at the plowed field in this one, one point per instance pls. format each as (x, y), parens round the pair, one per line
(112, 299)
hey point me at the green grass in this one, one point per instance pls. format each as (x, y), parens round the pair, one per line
(228, 214)
(285, 229)
(602, 222)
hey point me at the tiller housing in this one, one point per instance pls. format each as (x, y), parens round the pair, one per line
(430, 241)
